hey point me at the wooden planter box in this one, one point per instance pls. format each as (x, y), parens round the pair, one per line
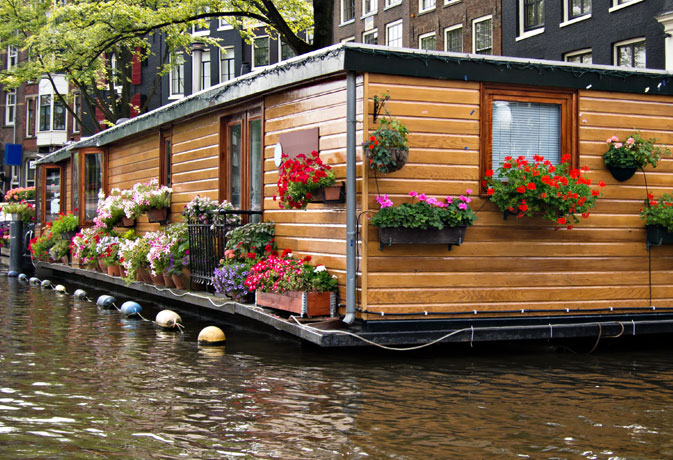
(157, 215)
(658, 235)
(301, 303)
(126, 222)
(401, 235)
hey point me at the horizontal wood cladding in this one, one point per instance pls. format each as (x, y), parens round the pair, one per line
(506, 265)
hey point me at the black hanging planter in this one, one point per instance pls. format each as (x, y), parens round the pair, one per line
(658, 235)
(622, 174)
(402, 235)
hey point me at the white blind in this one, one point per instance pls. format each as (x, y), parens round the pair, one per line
(526, 129)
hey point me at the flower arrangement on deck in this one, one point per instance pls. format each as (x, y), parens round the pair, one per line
(557, 193)
(203, 210)
(20, 194)
(634, 152)
(168, 251)
(39, 246)
(133, 252)
(23, 208)
(110, 209)
(65, 223)
(84, 245)
(151, 195)
(107, 248)
(60, 249)
(301, 178)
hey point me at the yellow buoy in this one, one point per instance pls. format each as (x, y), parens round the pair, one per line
(212, 335)
(168, 319)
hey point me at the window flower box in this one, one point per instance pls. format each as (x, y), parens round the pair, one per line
(298, 302)
(402, 235)
(155, 215)
(330, 194)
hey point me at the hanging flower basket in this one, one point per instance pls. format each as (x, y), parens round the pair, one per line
(402, 235)
(298, 302)
(155, 215)
(658, 235)
(621, 174)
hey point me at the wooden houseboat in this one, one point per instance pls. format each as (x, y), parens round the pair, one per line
(509, 279)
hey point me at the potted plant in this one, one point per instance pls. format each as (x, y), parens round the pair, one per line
(285, 283)
(387, 149)
(557, 193)
(20, 194)
(623, 159)
(110, 209)
(83, 247)
(22, 211)
(425, 220)
(39, 246)
(133, 257)
(65, 225)
(60, 250)
(4, 234)
(658, 217)
(152, 199)
(229, 279)
(254, 238)
(203, 210)
(107, 248)
(301, 179)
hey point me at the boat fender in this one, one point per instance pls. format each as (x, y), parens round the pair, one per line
(45, 284)
(23, 277)
(211, 336)
(131, 308)
(59, 288)
(34, 281)
(105, 301)
(13, 273)
(79, 294)
(168, 319)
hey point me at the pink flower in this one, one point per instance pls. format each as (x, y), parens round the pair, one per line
(384, 201)
(432, 201)
(449, 199)
(618, 145)
(468, 191)
(630, 141)
(422, 197)
(462, 206)
(413, 193)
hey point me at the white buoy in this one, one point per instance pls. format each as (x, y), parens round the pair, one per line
(23, 277)
(211, 335)
(45, 284)
(131, 308)
(168, 319)
(105, 301)
(59, 288)
(79, 294)
(34, 281)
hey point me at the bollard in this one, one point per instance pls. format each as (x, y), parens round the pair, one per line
(15, 243)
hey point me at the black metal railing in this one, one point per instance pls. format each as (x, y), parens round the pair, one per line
(207, 241)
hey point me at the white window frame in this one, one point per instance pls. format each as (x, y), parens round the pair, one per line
(113, 73)
(374, 7)
(12, 56)
(206, 81)
(222, 24)
(75, 108)
(616, 6)
(389, 26)
(29, 166)
(341, 13)
(52, 111)
(474, 30)
(10, 102)
(523, 34)
(451, 29)
(180, 69)
(31, 101)
(222, 53)
(566, 14)
(631, 41)
(451, 2)
(422, 36)
(206, 30)
(252, 51)
(431, 7)
(578, 53)
(348, 40)
(371, 32)
(391, 3)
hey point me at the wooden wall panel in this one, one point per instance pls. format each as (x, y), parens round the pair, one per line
(507, 265)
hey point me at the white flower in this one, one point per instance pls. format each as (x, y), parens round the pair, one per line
(320, 268)
(334, 276)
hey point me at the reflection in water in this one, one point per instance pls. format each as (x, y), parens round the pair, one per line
(77, 382)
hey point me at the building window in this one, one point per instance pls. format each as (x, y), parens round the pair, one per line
(577, 8)
(369, 7)
(12, 56)
(371, 37)
(77, 108)
(51, 114)
(581, 56)
(227, 64)
(619, 4)
(426, 5)
(347, 11)
(52, 193)
(165, 159)
(115, 74)
(526, 123)
(453, 39)
(482, 35)
(349, 39)
(394, 34)
(10, 108)
(533, 14)
(391, 3)
(285, 51)
(30, 117)
(630, 53)
(177, 88)
(93, 183)
(224, 25)
(427, 41)
(29, 171)
(260, 51)
(205, 69)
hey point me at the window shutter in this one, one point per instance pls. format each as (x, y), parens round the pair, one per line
(136, 100)
(136, 73)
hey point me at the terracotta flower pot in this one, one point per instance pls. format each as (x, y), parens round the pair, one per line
(126, 222)
(102, 266)
(168, 280)
(145, 275)
(157, 280)
(64, 260)
(178, 280)
(113, 270)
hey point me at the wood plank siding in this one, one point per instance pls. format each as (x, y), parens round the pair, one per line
(514, 264)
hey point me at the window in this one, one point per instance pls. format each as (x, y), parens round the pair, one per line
(77, 108)
(52, 114)
(30, 117)
(576, 9)
(426, 5)
(371, 37)
(92, 183)
(394, 34)
(349, 39)
(347, 11)
(619, 4)
(115, 74)
(369, 7)
(453, 39)
(202, 26)
(391, 3)
(482, 35)
(582, 56)
(533, 14)
(177, 86)
(12, 56)
(224, 25)
(285, 51)
(10, 108)
(427, 41)
(521, 122)
(241, 160)
(260, 51)
(165, 159)
(205, 69)
(630, 53)
(29, 173)
(45, 113)
(52, 193)
(227, 64)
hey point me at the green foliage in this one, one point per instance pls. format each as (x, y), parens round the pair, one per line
(64, 223)
(390, 135)
(24, 209)
(60, 249)
(425, 213)
(39, 247)
(658, 212)
(634, 152)
(257, 239)
(300, 178)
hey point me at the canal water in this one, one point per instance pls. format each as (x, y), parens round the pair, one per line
(79, 382)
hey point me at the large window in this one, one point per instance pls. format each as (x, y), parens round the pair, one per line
(630, 53)
(12, 56)
(576, 9)
(394, 34)
(426, 5)
(347, 11)
(453, 39)
(30, 117)
(260, 51)
(52, 192)
(482, 35)
(533, 14)
(10, 108)
(241, 160)
(227, 64)
(205, 69)
(52, 114)
(93, 183)
(177, 86)
(520, 122)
